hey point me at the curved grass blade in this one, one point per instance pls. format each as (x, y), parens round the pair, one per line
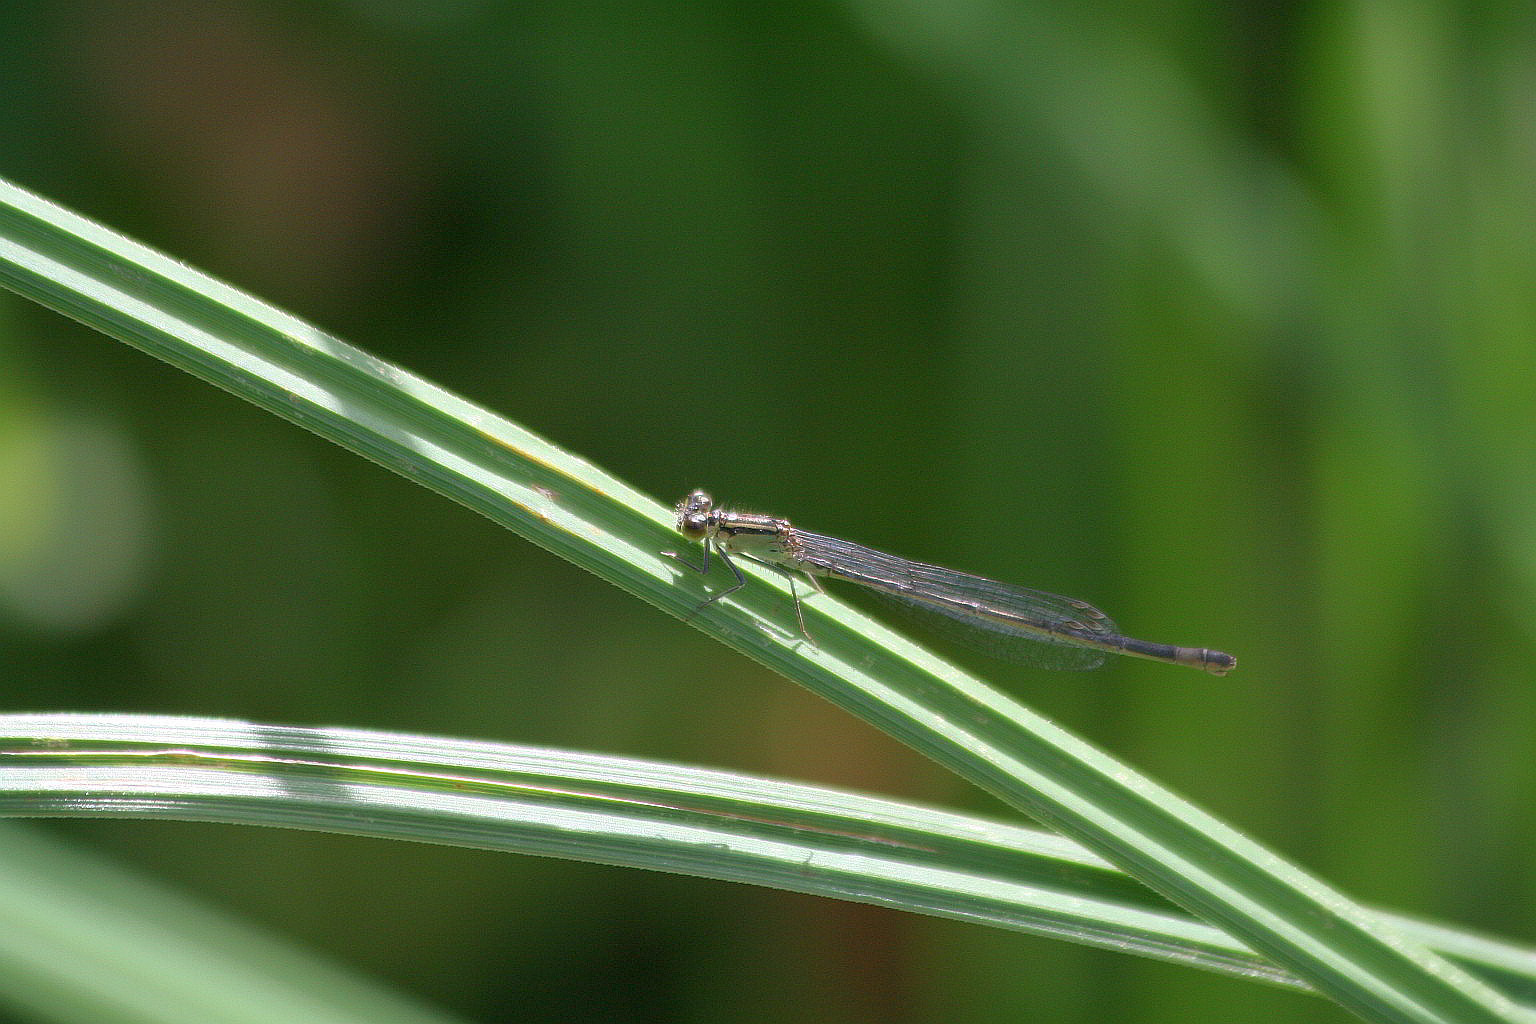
(638, 813)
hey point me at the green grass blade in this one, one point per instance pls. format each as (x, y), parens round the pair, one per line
(562, 503)
(89, 941)
(637, 813)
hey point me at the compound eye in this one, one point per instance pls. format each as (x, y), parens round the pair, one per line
(693, 514)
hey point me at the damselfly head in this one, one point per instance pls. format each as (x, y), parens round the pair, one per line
(693, 515)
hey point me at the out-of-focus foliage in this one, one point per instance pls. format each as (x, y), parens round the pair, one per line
(1221, 317)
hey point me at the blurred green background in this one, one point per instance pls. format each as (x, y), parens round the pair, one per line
(1218, 315)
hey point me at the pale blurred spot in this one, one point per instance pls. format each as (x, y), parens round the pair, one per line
(74, 522)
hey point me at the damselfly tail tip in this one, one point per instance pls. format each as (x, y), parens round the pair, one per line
(1217, 663)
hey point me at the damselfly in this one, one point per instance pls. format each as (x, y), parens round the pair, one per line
(1012, 622)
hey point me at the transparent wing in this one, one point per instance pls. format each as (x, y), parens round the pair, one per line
(1017, 623)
